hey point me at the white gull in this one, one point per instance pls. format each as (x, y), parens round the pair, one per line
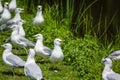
(38, 20)
(108, 73)
(10, 59)
(6, 15)
(40, 49)
(31, 69)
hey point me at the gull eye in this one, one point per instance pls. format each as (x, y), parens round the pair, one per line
(105, 60)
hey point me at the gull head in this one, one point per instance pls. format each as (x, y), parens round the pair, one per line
(6, 5)
(38, 36)
(31, 53)
(107, 61)
(39, 8)
(20, 22)
(57, 41)
(14, 27)
(7, 46)
(18, 10)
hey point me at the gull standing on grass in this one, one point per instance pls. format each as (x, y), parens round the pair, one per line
(21, 31)
(18, 39)
(108, 73)
(38, 20)
(6, 15)
(115, 55)
(57, 54)
(40, 49)
(12, 5)
(12, 21)
(31, 69)
(10, 59)
(1, 7)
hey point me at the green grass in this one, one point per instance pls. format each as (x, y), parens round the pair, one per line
(50, 31)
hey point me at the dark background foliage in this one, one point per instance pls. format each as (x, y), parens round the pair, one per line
(104, 9)
(104, 15)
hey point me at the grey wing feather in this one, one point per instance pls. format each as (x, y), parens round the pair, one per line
(113, 76)
(47, 50)
(15, 60)
(33, 70)
(10, 23)
(114, 54)
(29, 43)
(7, 25)
(2, 27)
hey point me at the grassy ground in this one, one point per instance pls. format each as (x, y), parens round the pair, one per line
(78, 53)
(50, 31)
(66, 72)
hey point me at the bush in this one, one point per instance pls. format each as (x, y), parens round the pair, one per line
(85, 56)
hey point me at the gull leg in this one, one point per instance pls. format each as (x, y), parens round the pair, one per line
(8, 39)
(25, 50)
(13, 71)
(54, 67)
(29, 78)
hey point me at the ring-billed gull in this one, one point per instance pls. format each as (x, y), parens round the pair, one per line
(14, 20)
(57, 54)
(108, 73)
(12, 5)
(1, 7)
(18, 39)
(10, 59)
(6, 15)
(115, 55)
(38, 20)
(40, 48)
(21, 31)
(31, 69)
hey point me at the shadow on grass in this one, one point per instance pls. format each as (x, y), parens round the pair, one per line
(11, 73)
(21, 54)
(42, 61)
(54, 68)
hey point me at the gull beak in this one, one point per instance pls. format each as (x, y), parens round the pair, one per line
(22, 9)
(23, 21)
(34, 36)
(61, 41)
(11, 27)
(103, 59)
